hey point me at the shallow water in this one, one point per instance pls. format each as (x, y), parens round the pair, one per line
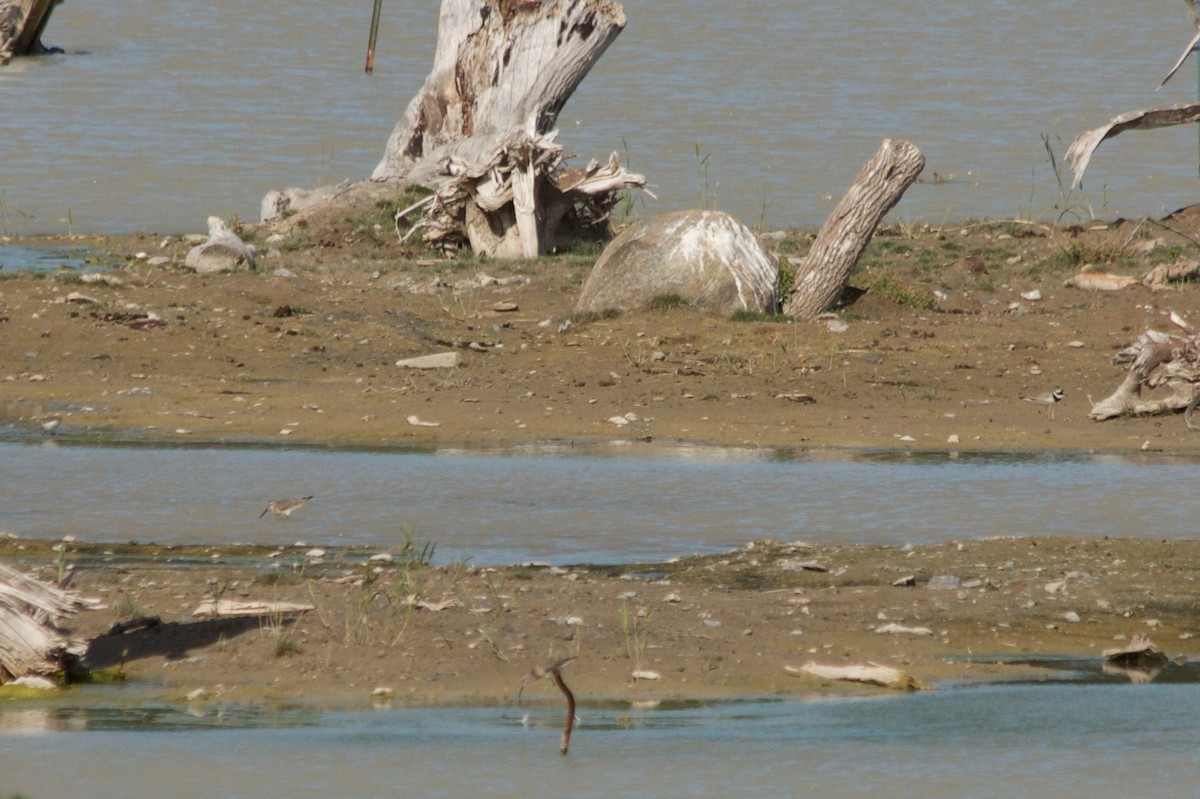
(163, 113)
(1077, 732)
(49, 258)
(564, 504)
(992, 741)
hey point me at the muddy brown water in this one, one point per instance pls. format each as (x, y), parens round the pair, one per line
(766, 109)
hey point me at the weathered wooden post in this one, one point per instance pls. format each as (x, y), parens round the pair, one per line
(847, 232)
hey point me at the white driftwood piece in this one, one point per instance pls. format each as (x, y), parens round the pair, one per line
(1140, 650)
(1080, 152)
(497, 63)
(30, 642)
(878, 187)
(869, 674)
(1156, 360)
(229, 608)
(1194, 14)
(21, 25)
(479, 134)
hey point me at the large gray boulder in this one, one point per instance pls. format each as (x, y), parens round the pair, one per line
(708, 258)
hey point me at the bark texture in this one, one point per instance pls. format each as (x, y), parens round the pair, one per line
(480, 136)
(30, 643)
(879, 186)
(21, 25)
(499, 63)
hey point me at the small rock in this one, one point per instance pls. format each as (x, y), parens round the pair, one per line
(943, 582)
(1032, 296)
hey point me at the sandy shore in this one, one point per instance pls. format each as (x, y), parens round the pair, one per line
(307, 355)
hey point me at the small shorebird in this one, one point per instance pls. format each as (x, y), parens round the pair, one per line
(285, 507)
(1049, 400)
(50, 426)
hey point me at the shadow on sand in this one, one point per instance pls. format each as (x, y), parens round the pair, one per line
(150, 637)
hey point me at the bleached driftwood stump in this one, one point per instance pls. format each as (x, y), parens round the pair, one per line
(30, 643)
(878, 187)
(480, 132)
(22, 23)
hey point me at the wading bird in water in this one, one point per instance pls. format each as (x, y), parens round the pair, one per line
(285, 507)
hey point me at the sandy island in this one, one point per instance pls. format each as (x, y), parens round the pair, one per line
(308, 356)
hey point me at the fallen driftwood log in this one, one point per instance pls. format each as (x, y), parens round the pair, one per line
(1160, 277)
(822, 275)
(1100, 281)
(869, 674)
(31, 643)
(1081, 149)
(1157, 361)
(22, 23)
(1079, 154)
(229, 608)
(1139, 653)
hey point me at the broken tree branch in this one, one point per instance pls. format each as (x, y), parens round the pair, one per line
(1080, 152)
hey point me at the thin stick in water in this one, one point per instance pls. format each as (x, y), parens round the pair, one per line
(554, 669)
(374, 35)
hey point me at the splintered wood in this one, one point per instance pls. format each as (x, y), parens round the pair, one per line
(480, 132)
(30, 642)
